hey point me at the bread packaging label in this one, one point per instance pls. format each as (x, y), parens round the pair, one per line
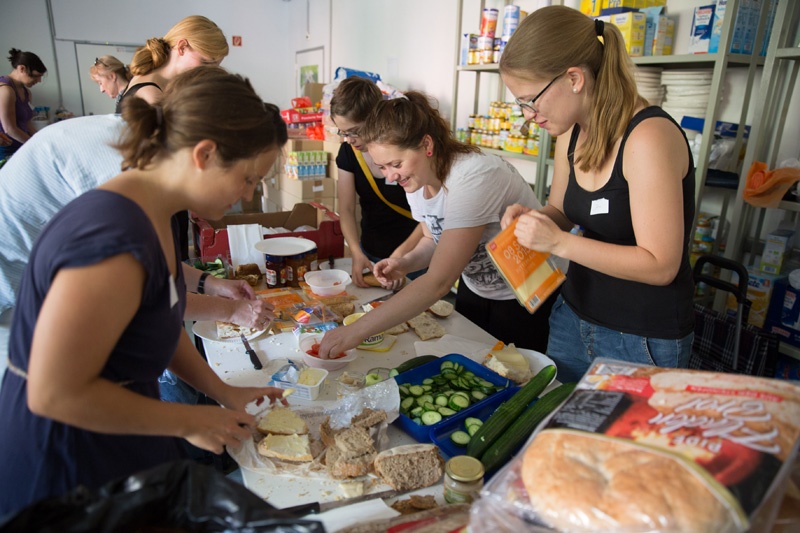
(688, 450)
(533, 276)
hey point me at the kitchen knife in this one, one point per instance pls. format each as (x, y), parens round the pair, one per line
(251, 352)
(317, 507)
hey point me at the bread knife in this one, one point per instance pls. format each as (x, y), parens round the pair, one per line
(321, 507)
(252, 353)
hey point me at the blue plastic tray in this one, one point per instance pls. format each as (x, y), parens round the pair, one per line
(415, 376)
(440, 436)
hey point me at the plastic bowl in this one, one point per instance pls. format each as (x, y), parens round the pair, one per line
(327, 364)
(328, 282)
(372, 340)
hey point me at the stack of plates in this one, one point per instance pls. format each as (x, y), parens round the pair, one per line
(687, 92)
(648, 82)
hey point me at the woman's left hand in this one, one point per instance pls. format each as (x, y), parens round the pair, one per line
(537, 231)
(235, 289)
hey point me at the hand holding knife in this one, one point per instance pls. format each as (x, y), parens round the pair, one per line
(252, 353)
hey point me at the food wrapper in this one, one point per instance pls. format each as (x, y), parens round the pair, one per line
(381, 396)
(645, 449)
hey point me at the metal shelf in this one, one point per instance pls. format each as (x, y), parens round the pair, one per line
(697, 60)
(515, 155)
(491, 67)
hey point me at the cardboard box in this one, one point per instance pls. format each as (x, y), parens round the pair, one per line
(302, 145)
(307, 189)
(632, 25)
(288, 200)
(313, 91)
(776, 248)
(759, 293)
(669, 38)
(702, 25)
(211, 236)
(591, 7)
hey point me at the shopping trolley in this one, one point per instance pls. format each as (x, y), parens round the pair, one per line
(724, 343)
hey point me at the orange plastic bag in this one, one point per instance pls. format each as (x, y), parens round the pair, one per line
(766, 188)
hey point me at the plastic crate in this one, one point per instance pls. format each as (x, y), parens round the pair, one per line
(415, 376)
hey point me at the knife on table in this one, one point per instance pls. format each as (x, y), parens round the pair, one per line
(251, 352)
(317, 507)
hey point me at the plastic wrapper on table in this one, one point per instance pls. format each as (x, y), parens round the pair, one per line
(179, 496)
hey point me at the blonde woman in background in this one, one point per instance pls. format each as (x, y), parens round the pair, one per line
(192, 42)
(111, 75)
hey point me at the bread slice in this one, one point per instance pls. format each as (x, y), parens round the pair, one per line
(286, 447)
(402, 327)
(426, 327)
(442, 309)
(340, 467)
(250, 272)
(327, 433)
(410, 467)
(229, 330)
(282, 421)
(368, 418)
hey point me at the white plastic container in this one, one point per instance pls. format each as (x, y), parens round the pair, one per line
(305, 392)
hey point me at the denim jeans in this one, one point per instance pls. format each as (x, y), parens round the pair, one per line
(175, 390)
(575, 343)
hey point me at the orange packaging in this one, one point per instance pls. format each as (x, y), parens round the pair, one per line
(532, 275)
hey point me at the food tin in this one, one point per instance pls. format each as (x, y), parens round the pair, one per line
(489, 22)
(510, 20)
(275, 270)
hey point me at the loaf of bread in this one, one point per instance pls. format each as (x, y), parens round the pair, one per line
(426, 327)
(442, 309)
(286, 447)
(372, 281)
(282, 421)
(352, 453)
(409, 467)
(577, 481)
(249, 272)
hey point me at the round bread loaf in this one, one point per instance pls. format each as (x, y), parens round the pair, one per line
(578, 482)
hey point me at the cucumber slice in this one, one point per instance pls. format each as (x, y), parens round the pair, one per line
(417, 420)
(473, 429)
(416, 390)
(431, 417)
(417, 412)
(427, 381)
(446, 364)
(403, 390)
(429, 406)
(458, 402)
(407, 403)
(460, 438)
(440, 400)
(471, 421)
(477, 395)
(445, 411)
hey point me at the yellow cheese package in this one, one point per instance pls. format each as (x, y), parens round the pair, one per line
(533, 276)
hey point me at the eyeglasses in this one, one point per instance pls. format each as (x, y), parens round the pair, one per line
(529, 104)
(98, 61)
(352, 135)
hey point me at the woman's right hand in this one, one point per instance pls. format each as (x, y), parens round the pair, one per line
(389, 271)
(512, 212)
(360, 264)
(212, 428)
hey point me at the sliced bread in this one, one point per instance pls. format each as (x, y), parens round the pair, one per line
(352, 453)
(286, 447)
(282, 421)
(402, 327)
(368, 418)
(442, 309)
(426, 327)
(409, 467)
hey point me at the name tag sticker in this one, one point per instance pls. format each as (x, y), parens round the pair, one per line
(599, 207)
(173, 292)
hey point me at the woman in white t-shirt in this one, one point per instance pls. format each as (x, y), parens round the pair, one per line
(460, 195)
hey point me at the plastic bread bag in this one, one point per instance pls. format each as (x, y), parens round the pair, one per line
(644, 449)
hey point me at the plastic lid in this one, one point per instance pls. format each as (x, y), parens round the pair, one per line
(464, 468)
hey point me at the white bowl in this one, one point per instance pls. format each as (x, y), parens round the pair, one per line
(328, 282)
(328, 364)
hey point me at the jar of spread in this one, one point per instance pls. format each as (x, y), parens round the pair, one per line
(310, 260)
(463, 479)
(295, 270)
(275, 271)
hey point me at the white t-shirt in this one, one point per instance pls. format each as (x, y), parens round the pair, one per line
(477, 192)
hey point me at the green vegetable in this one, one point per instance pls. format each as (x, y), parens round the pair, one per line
(502, 449)
(459, 438)
(412, 363)
(508, 412)
(430, 418)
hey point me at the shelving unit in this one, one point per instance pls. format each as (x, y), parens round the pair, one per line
(777, 88)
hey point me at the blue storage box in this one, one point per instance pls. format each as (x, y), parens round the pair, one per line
(415, 376)
(440, 436)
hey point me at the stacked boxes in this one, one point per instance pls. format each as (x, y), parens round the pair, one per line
(632, 25)
(759, 292)
(302, 178)
(311, 164)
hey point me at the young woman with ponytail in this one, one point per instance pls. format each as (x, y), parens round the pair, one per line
(623, 172)
(459, 195)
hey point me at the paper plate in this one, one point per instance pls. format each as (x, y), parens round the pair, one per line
(283, 246)
(207, 329)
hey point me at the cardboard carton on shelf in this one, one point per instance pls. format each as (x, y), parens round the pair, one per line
(307, 189)
(287, 200)
(211, 236)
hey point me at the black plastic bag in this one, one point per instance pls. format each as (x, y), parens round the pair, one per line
(177, 496)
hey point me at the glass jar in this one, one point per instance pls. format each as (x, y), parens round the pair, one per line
(349, 382)
(275, 274)
(463, 479)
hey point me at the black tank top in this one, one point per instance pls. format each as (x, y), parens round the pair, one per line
(130, 91)
(664, 312)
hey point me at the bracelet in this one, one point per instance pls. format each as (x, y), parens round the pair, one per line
(201, 283)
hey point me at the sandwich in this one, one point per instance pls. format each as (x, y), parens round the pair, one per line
(229, 330)
(282, 421)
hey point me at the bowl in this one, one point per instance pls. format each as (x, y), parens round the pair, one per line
(372, 340)
(328, 364)
(327, 282)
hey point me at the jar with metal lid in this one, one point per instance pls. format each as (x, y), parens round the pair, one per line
(275, 271)
(463, 479)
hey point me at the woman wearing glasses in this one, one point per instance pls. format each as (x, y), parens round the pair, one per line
(459, 195)
(16, 110)
(111, 75)
(624, 173)
(386, 220)
(193, 41)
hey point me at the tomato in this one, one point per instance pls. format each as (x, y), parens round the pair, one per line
(314, 351)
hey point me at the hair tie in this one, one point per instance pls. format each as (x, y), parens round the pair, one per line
(599, 27)
(159, 115)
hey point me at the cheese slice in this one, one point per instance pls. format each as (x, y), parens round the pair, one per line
(509, 363)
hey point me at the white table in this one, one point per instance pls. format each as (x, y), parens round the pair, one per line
(231, 363)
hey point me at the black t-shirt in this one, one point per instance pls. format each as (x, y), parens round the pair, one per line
(382, 228)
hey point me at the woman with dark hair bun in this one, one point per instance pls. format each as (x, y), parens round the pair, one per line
(16, 110)
(99, 313)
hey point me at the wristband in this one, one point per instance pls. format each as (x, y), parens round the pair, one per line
(201, 283)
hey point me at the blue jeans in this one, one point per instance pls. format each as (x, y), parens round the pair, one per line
(175, 390)
(574, 344)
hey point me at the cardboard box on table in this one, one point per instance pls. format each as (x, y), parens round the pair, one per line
(211, 236)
